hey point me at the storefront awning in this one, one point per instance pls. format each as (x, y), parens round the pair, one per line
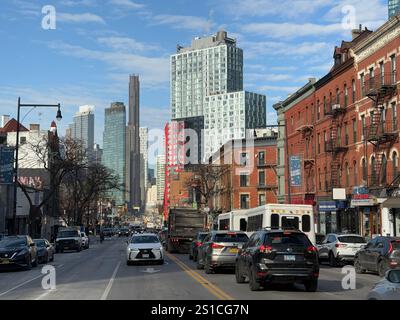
(392, 203)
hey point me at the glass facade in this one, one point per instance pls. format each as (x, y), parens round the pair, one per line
(114, 146)
(394, 8)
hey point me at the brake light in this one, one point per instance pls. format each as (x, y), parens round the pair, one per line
(216, 246)
(390, 248)
(231, 233)
(266, 249)
(312, 249)
(198, 243)
(340, 245)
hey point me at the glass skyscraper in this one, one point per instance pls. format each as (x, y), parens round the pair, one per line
(114, 146)
(394, 8)
(83, 127)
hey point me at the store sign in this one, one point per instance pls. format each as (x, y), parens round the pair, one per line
(361, 200)
(327, 206)
(295, 171)
(6, 165)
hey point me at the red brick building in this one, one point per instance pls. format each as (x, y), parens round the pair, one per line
(251, 180)
(344, 131)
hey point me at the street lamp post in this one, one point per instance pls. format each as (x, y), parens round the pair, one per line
(20, 105)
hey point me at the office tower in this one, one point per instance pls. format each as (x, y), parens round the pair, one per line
(394, 8)
(114, 146)
(97, 153)
(82, 127)
(211, 65)
(133, 194)
(143, 134)
(160, 174)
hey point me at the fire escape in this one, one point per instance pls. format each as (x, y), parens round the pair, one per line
(306, 128)
(382, 133)
(335, 144)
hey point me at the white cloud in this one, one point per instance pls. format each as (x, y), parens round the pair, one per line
(80, 18)
(267, 77)
(127, 4)
(183, 22)
(125, 44)
(78, 3)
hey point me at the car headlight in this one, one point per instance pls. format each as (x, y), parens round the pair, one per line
(133, 249)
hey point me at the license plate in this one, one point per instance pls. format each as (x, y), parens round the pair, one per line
(289, 258)
(5, 261)
(234, 250)
(145, 255)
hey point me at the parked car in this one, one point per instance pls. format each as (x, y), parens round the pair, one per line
(124, 232)
(68, 239)
(85, 240)
(278, 256)
(379, 255)
(45, 250)
(340, 248)
(319, 238)
(196, 243)
(18, 251)
(144, 247)
(388, 288)
(219, 249)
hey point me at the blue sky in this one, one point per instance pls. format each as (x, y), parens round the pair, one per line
(98, 43)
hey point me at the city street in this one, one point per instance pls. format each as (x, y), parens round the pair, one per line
(101, 273)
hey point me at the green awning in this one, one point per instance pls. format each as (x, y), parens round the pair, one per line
(392, 203)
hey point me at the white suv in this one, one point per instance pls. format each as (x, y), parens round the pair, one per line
(337, 248)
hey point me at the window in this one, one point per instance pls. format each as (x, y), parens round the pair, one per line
(319, 143)
(275, 221)
(346, 134)
(324, 105)
(318, 110)
(261, 158)
(373, 169)
(347, 168)
(346, 95)
(337, 96)
(244, 158)
(363, 127)
(326, 179)
(244, 180)
(255, 223)
(362, 78)
(382, 71)
(364, 170)
(319, 179)
(394, 114)
(395, 165)
(325, 141)
(244, 202)
(393, 68)
(355, 173)
(305, 223)
(353, 88)
(354, 131)
(383, 169)
(22, 140)
(261, 199)
(261, 178)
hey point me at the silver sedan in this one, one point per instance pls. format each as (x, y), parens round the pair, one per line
(144, 247)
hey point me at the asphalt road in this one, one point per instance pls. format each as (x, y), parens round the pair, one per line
(101, 273)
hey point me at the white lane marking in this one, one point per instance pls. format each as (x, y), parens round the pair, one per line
(150, 270)
(45, 294)
(20, 285)
(110, 283)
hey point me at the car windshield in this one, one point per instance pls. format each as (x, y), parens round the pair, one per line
(287, 239)
(352, 239)
(144, 239)
(40, 243)
(231, 237)
(67, 234)
(7, 243)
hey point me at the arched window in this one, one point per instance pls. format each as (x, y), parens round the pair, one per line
(395, 160)
(384, 170)
(355, 173)
(364, 170)
(347, 168)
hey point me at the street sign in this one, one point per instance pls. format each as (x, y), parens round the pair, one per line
(6, 165)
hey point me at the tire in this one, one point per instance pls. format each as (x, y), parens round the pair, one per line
(46, 260)
(199, 266)
(52, 257)
(382, 268)
(332, 260)
(194, 257)
(253, 284)
(357, 266)
(311, 285)
(239, 277)
(28, 264)
(35, 263)
(128, 263)
(207, 268)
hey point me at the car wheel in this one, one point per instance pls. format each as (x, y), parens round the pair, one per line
(46, 259)
(358, 267)
(194, 257)
(28, 264)
(128, 263)
(239, 277)
(382, 268)
(52, 257)
(207, 268)
(332, 260)
(311, 285)
(199, 266)
(253, 284)
(35, 263)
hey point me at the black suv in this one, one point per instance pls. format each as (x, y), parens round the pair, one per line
(379, 255)
(286, 256)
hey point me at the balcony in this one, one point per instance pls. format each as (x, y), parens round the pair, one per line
(380, 85)
(304, 126)
(335, 146)
(383, 132)
(336, 110)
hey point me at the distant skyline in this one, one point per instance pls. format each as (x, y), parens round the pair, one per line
(98, 44)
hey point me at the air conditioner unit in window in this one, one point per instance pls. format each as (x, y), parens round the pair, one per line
(336, 106)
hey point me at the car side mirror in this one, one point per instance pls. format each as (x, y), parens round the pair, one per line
(393, 276)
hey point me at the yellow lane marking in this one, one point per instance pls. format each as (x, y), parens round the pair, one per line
(221, 295)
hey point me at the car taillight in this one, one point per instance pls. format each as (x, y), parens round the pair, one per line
(266, 249)
(340, 245)
(197, 244)
(312, 249)
(216, 246)
(390, 248)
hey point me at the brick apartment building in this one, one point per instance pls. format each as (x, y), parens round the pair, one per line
(251, 180)
(344, 132)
